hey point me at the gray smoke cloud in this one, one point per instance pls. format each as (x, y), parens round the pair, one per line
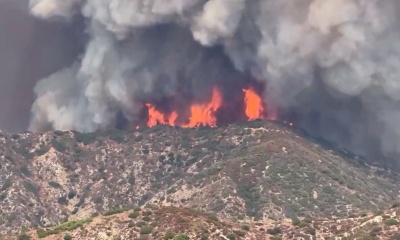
(334, 64)
(30, 49)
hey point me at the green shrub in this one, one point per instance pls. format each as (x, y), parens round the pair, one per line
(182, 237)
(274, 231)
(62, 200)
(67, 237)
(113, 212)
(231, 236)
(47, 233)
(213, 217)
(146, 218)
(296, 221)
(42, 150)
(141, 224)
(245, 227)
(54, 184)
(204, 237)
(23, 236)
(275, 238)
(240, 233)
(147, 213)
(146, 230)
(169, 235)
(59, 146)
(25, 170)
(134, 214)
(391, 222)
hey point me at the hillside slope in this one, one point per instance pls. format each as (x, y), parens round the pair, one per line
(258, 170)
(153, 222)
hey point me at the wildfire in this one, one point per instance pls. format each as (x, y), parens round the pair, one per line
(253, 104)
(157, 117)
(204, 114)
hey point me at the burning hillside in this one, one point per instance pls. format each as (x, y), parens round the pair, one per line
(249, 105)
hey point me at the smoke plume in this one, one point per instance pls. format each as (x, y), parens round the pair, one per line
(331, 65)
(30, 49)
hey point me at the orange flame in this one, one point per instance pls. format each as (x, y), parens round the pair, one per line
(157, 117)
(204, 114)
(253, 104)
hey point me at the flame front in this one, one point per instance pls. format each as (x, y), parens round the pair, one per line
(204, 114)
(156, 117)
(253, 104)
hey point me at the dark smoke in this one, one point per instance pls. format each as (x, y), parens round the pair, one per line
(331, 65)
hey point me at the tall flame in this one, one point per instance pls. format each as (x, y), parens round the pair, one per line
(204, 114)
(253, 104)
(157, 117)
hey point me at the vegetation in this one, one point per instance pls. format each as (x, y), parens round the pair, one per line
(182, 237)
(67, 237)
(391, 222)
(231, 236)
(134, 214)
(274, 231)
(219, 169)
(68, 226)
(146, 230)
(114, 211)
(169, 235)
(23, 236)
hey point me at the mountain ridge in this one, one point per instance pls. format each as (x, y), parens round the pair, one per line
(261, 170)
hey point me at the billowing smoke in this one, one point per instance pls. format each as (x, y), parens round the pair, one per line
(30, 49)
(331, 65)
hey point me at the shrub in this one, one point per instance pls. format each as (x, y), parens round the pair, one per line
(245, 227)
(62, 200)
(146, 218)
(231, 236)
(391, 222)
(31, 188)
(71, 194)
(59, 146)
(204, 237)
(147, 213)
(67, 237)
(133, 214)
(275, 238)
(296, 221)
(25, 170)
(274, 231)
(169, 235)
(240, 233)
(140, 224)
(182, 237)
(213, 217)
(6, 184)
(42, 150)
(72, 225)
(112, 212)
(23, 236)
(54, 184)
(146, 230)
(396, 205)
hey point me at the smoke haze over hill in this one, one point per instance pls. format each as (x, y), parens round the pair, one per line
(331, 66)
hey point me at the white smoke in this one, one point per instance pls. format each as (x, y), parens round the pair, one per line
(141, 47)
